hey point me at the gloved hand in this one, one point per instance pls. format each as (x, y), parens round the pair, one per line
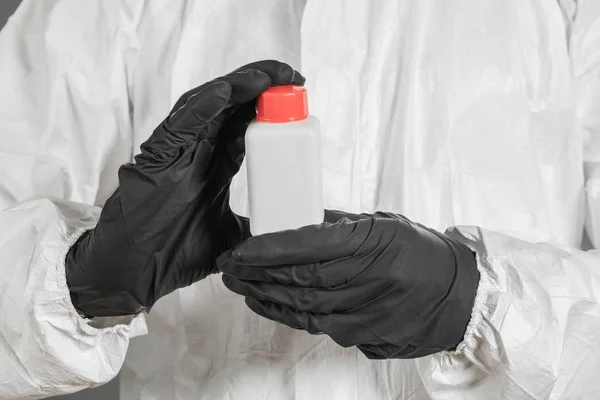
(393, 288)
(170, 218)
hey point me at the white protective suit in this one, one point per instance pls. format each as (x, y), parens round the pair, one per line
(480, 113)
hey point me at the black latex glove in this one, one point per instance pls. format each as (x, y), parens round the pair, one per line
(170, 218)
(391, 287)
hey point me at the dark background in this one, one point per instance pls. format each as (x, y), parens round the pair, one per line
(7, 7)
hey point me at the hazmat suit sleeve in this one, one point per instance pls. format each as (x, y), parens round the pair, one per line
(534, 329)
(62, 138)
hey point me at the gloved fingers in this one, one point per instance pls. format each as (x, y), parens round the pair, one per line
(333, 216)
(198, 121)
(311, 244)
(280, 73)
(231, 145)
(245, 84)
(234, 129)
(312, 323)
(326, 275)
(315, 300)
(246, 88)
(382, 351)
(199, 113)
(199, 108)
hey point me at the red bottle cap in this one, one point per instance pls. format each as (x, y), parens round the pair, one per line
(282, 104)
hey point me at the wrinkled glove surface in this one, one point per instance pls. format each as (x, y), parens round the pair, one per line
(169, 219)
(393, 288)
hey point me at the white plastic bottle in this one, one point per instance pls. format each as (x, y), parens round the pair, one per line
(283, 161)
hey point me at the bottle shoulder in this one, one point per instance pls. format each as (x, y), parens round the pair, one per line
(309, 125)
